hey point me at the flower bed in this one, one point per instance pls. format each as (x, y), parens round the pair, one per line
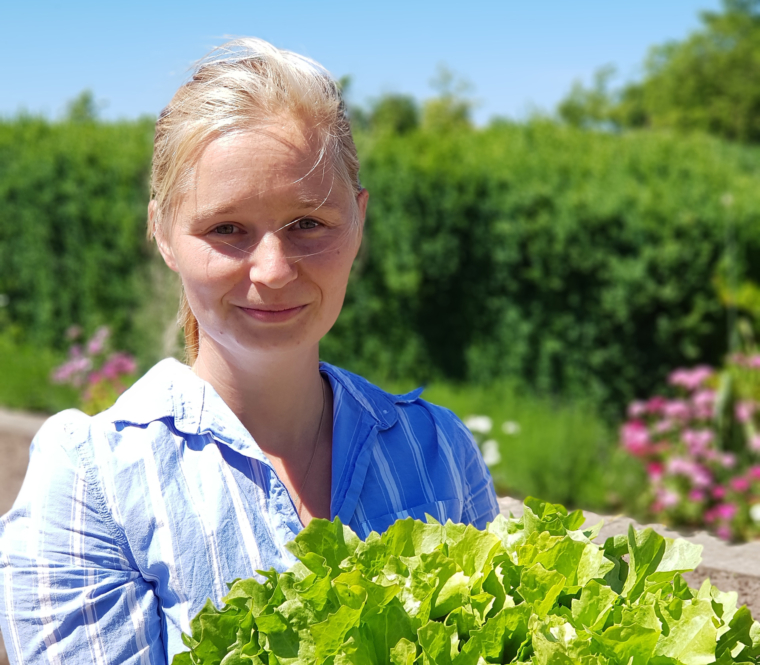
(701, 448)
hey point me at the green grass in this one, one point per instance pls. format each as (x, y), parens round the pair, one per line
(562, 451)
(25, 378)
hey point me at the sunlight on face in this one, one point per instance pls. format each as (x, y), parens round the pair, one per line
(265, 241)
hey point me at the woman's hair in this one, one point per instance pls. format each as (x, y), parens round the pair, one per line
(239, 86)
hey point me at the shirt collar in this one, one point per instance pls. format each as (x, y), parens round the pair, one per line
(171, 390)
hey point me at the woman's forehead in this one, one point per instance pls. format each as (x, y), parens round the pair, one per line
(277, 165)
(272, 161)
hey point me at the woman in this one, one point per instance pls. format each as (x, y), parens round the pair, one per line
(128, 521)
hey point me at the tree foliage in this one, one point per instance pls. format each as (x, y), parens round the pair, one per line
(709, 82)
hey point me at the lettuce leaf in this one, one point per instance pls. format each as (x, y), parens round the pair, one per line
(537, 589)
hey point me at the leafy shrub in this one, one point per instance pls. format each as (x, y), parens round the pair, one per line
(25, 371)
(708, 82)
(576, 263)
(73, 199)
(535, 590)
(581, 264)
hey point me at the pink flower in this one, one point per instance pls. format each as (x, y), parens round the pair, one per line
(697, 440)
(723, 532)
(728, 460)
(704, 404)
(725, 511)
(718, 492)
(690, 379)
(72, 371)
(97, 342)
(635, 437)
(677, 409)
(753, 362)
(118, 364)
(754, 472)
(636, 409)
(656, 404)
(667, 498)
(754, 442)
(699, 475)
(654, 471)
(697, 496)
(744, 411)
(663, 426)
(739, 484)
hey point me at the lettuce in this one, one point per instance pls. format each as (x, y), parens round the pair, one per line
(535, 589)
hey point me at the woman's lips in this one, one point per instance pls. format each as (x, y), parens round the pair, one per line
(273, 315)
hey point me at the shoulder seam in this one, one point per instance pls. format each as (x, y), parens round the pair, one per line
(99, 498)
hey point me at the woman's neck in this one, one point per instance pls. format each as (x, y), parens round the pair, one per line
(279, 398)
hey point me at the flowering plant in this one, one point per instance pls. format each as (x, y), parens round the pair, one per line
(98, 373)
(701, 448)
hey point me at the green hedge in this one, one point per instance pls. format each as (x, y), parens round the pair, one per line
(73, 200)
(581, 263)
(578, 263)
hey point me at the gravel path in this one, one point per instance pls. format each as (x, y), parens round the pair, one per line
(729, 567)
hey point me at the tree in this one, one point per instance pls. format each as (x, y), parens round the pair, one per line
(709, 82)
(395, 112)
(83, 108)
(452, 108)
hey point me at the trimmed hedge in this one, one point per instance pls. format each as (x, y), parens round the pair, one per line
(582, 263)
(73, 200)
(579, 263)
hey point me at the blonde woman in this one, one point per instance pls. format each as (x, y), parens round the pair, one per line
(201, 473)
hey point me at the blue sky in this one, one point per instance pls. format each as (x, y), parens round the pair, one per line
(517, 56)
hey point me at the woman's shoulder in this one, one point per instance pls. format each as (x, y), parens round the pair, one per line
(165, 393)
(388, 407)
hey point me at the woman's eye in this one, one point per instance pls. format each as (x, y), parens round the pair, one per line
(225, 229)
(307, 224)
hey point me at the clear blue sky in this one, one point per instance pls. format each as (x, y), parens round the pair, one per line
(133, 54)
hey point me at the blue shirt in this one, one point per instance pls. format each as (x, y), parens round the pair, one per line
(129, 520)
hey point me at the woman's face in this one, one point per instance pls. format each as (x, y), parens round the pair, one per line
(264, 241)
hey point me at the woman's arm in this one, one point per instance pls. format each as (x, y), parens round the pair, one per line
(68, 592)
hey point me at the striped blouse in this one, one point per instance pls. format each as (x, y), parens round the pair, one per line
(129, 520)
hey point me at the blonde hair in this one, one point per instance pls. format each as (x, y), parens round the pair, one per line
(236, 87)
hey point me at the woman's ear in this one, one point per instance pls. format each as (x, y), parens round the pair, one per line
(362, 198)
(157, 231)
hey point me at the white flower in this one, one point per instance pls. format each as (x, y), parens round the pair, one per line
(491, 454)
(478, 424)
(510, 427)
(754, 512)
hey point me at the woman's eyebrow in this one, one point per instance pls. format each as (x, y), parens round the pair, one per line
(213, 211)
(307, 202)
(221, 209)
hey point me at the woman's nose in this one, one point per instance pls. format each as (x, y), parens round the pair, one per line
(271, 266)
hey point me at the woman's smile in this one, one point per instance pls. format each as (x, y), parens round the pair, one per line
(273, 313)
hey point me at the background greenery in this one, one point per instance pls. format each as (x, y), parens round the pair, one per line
(545, 272)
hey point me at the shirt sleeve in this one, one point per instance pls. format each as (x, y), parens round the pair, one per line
(69, 593)
(480, 503)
